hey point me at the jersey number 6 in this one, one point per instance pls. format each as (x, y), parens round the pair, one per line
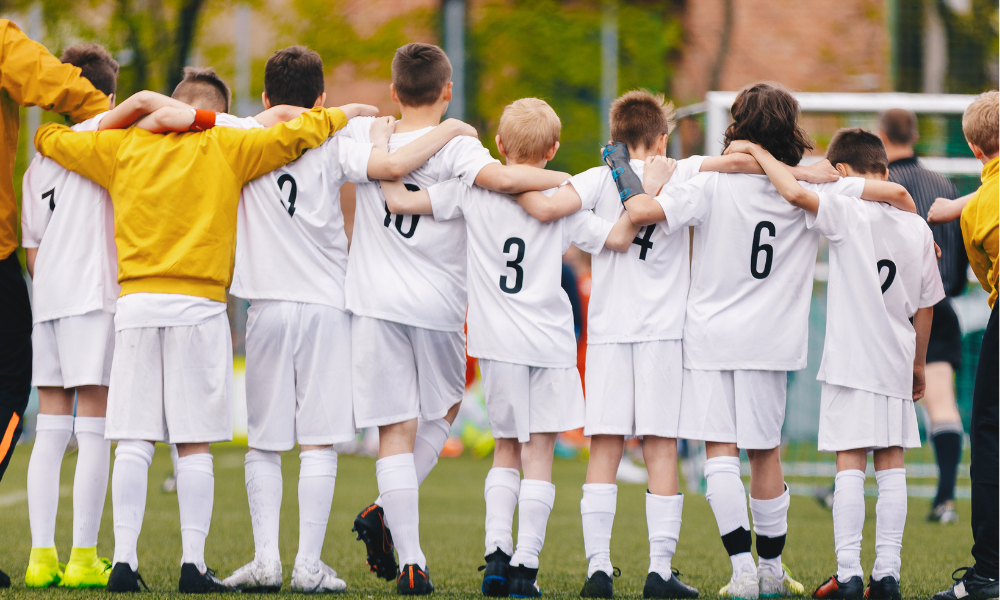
(513, 264)
(758, 248)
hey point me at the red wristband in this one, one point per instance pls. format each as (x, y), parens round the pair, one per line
(203, 119)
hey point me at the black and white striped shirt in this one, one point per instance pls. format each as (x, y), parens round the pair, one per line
(926, 186)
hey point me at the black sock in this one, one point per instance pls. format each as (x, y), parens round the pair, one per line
(737, 541)
(948, 451)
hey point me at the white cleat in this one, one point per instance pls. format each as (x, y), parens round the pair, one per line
(256, 577)
(779, 586)
(317, 578)
(743, 586)
(629, 472)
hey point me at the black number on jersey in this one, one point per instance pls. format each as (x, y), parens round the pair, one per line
(51, 195)
(293, 191)
(414, 219)
(758, 248)
(642, 240)
(888, 264)
(513, 264)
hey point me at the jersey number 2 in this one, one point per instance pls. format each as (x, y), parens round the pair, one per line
(513, 264)
(758, 248)
(293, 191)
(891, 266)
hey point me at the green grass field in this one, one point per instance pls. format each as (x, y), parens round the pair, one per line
(452, 512)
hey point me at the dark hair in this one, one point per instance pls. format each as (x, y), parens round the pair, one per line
(899, 125)
(203, 85)
(638, 118)
(294, 76)
(96, 63)
(767, 114)
(861, 149)
(419, 73)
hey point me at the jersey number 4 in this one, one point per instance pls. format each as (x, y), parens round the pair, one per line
(414, 219)
(643, 241)
(51, 195)
(513, 264)
(757, 248)
(890, 276)
(293, 191)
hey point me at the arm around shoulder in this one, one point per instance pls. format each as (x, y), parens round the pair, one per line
(89, 153)
(890, 193)
(515, 179)
(402, 201)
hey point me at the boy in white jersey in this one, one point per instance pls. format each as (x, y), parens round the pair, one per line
(521, 329)
(406, 290)
(883, 272)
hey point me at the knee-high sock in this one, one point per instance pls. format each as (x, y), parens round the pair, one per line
(400, 496)
(534, 505)
(770, 524)
(597, 508)
(502, 488)
(728, 498)
(848, 522)
(195, 497)
(90, 485)
(947, 440)
(431, 437)
(128, 497)
(317, 480)
(53, 433)
(663, 517)
(262, 474)
(890, 518)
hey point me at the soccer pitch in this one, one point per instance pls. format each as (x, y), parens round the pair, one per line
(452, 513)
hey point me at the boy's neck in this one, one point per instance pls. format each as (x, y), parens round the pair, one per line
(538, 164)
(415, 118)
(641, 153)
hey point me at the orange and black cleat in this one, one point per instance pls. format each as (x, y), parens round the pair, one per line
(852, 589)
(886, 588)
(372, 530)
(414, 581)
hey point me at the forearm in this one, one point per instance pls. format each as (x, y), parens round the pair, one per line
(402, 201)
(890, 193)
(643, 209)
(785, 182)
(29, 260)
(622, 234)
(137, 106)
(922, 321)
(515, 179)
(385, 165)
(282, 113)
(168, 119)
(549, 208)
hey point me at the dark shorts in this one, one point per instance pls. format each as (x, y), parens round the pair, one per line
(945, 343)
(15, 355)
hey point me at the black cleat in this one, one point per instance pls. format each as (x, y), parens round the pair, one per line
(495, 578)
(600, 585)
(886, 588)
(194, 581)
(656, 587)
(970, 585)
(372, 530)
(414, 581)
(4, 580)
(852, 589)
(124, 579)
(521, 582)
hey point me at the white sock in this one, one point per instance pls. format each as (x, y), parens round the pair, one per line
(173, 458)
(770, 523)
(728, 498)
(502, 488)
(534, 505)
(317, 480)
(52, 435)
(848, 522)
(597, 508)
(90, 485)
(890, 518)
(195, 497)
(264, 485)
(400, 496)
(663, 517)
(128, 497)
(431, 436)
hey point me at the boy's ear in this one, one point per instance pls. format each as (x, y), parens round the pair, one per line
(842, 169)
(500, 146)
(392, 94)
(320, 101)
(111, 100)
(977, 151)
(265, 101)
(446, 92)
(661, 145)
(552, 151)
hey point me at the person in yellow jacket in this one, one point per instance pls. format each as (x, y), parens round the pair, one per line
(29, 76)
(175, 198)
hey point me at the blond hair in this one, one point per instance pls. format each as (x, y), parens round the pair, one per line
(981, 122)
(638, 118)
(529, 128)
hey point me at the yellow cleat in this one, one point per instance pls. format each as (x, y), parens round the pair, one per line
(44, 569)
(784, 587)
(86, 570)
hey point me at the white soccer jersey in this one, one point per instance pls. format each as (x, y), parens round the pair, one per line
(70, 219)
(639, 295)
(518, 311)
(882, 269)
(751, 272)
(411, 269)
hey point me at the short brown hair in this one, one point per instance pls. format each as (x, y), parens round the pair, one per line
(861, 149)
(638, 118)
(419, 73)
(899, 125)
(96, 65)
(203, 86)
(767, 114)
(294, 76)
(528, 129)
(980, 122)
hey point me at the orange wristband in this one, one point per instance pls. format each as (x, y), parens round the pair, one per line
(203, 119)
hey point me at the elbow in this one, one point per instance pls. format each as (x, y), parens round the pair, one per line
(798, 198)
(906, 200)
(547, 214)
(506, 184)
(618, 243)
(641, 218)
(394, 169)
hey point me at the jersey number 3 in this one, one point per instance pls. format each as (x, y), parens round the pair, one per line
(757, 248)
(293, 191)
(513, 264)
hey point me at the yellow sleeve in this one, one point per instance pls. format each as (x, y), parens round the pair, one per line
(980, 232)
(255, 152)
(89, 153)
(33, 77)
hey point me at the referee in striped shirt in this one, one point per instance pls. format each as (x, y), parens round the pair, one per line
(898, 130)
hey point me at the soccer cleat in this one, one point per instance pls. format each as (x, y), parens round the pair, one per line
(523, 583)
(657, 587)
(886, 588)
(495, 578)
(600, 584)
(4, 580)
(414, 581)
(742, 586)
(943, 513)
(317, 578)
(852, 589)
(779, 587)
(44, 569)
(970, 585)
(124, 579)
(86, 570)
(372, 530)
(194, 581)
(256, 577)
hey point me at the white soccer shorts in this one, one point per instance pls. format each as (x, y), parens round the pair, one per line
(742, 407)
(850, 419)
(401, 372)
(73, 351)
(634, 389)
(173, 384)
(298, 375)
(521, 400)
